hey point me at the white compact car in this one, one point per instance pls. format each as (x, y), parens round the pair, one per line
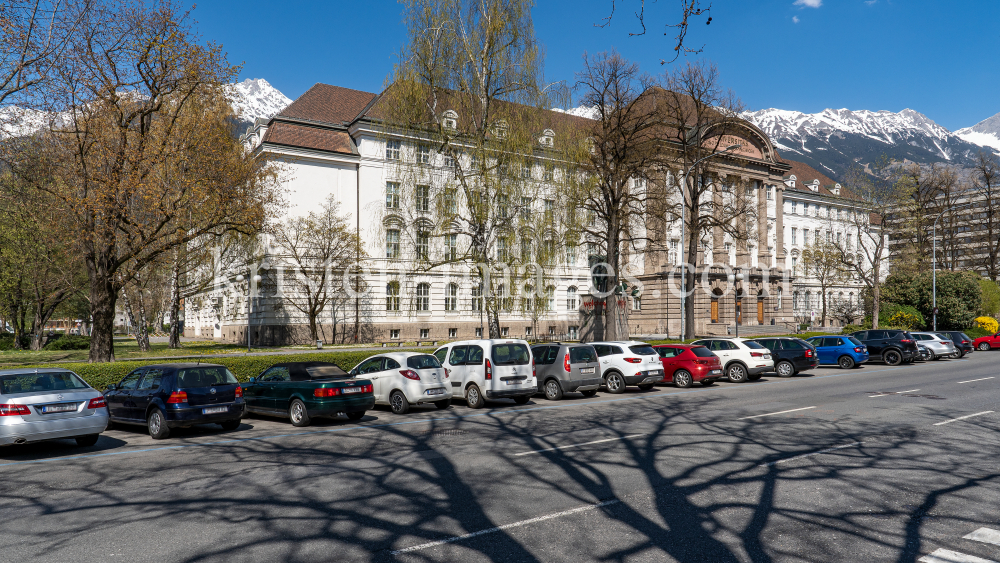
(489, 369)
(742, 359)
(402, 379)
(628, 363)
(45, 404)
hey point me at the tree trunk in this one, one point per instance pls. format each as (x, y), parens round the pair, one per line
(313, 331)
(876, 297)
(823, 319)
(102, 301)
(175, 307)
(142, 335)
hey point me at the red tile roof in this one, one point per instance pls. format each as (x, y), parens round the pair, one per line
(328, 104)
(293, 134)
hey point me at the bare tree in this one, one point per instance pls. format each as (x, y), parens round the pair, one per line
(690, 10)
(822, 261)
(986, 213)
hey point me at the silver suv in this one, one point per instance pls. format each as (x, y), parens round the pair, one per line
(565, 368)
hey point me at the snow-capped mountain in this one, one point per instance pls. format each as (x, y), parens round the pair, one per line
(255, 98)
(836, 139)
(985, 133)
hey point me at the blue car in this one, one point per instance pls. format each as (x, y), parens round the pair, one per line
(844, 351)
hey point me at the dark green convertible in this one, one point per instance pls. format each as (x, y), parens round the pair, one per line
(304, 390)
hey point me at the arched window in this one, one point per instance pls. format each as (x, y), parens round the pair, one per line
(571, 298)
(451, 297)
(423, 297)
(778, 300)
(392, 296)
(450, 120)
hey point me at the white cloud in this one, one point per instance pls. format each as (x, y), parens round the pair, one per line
(808, 3)
(795, 19)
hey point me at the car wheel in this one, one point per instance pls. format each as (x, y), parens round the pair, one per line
(984, 346)
(88, 440)
(522, 399)
(157, 425)
(737, 373)
(442, 404)
(682, 378)
(398, 403)
(298, 413)
(474, 397)
(614, 382)
(553, 391)
(892, 358)
(707, 382)
(845, 362)
(356, 415)
(785, 369)
(230, 424)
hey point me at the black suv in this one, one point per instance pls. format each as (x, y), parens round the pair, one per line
(791, 355)
(892, 346)
(962, 341)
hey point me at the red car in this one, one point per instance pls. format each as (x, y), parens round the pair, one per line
(987, 342)
(684, 364)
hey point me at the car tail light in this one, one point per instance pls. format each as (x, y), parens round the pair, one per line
(965, 342)
(409, 374)
(239, 392)
(634, 360)
(534, 372)
(809, 353)
(14, 410)
(178, 397)
(566, 362)
(859, 349)
(907, 340)
(756, 354)
(367, 388)
(489, 369)
(701, 362)
(447, 373)
(96, 403)
(328, 391)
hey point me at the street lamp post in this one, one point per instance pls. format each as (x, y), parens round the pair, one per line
(736, 300)
(683, 185)
(255, 280)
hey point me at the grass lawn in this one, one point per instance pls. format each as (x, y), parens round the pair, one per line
(124, 350)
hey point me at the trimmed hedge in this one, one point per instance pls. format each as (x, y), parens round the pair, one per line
(100, 376)
(68, 342)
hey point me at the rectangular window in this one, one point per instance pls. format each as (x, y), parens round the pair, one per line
(479, 333)
(795, 262)
(449, 162)
(549, 174)
(477, 300)
(526, 172)
(451, 247)
(392, 195)
(526, 208)
(423, 297)
(424, 154)
(795, 235)
(848, 241)
(502, 249)
(550, 207)
(527, 331)
(392, 244)
(423, 245)
(573, 330)
(525, 250)
(451, 297)
(502, 206)
(425, 333)
(504, 331)
(770, 192)
(452, 333)
(571, 254)
(805, 236)
(450, 201)
(636, 304)
(394, 334)
(392, 150)
(423, 198)
(816, 236)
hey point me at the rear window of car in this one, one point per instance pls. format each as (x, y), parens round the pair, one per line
(582, 355)
(326, 372)
(424, 361)
(702, 352)
(965, 336)
(511, 355)
(754, 345)
(205, 377)
(793, 345)
(855, 341)
(40, 382)
(643, 350)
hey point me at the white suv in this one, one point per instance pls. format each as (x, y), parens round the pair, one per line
(489, 369)
(628, 363)
(742, 359)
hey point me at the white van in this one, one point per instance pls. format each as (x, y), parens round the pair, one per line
(489, 369)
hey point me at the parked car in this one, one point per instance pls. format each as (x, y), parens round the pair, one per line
(482, 370)
(166, 396)
(790, 355)
(628, 363)
(302, 391)
(403, 379)
(566, 368)
(937, 345)
(988, 342)
(742, 359)
(48, 404)
(844, 351)
(685, 364)
(892, 346)
(963, 343)
(925, 353)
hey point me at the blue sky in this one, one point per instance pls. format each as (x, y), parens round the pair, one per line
(803, 55)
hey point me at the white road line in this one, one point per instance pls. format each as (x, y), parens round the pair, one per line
(583, 444)
(980, 379)
(949, 556)
(962, 418)
(769, 464)
(985, 535)
(504, 527)
(896, 393)
(774, 413)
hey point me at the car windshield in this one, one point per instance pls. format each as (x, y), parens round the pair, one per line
(643, 350)
(205, 377)
(511, 354)
(40, 382)
(754, 345)
(582, 355)
(702, 352)
(425, 361)
(855, 341)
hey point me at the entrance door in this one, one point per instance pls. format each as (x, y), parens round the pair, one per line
(760, 311)
(715, 310)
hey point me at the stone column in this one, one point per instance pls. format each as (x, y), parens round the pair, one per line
(763, 255)
(719, 253)
(779, 224)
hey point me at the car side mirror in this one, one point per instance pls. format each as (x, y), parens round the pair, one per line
(353, 372)
(112, 387)
(252, 380)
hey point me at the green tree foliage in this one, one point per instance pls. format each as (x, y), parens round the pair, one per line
(959, 297)
(991, 297)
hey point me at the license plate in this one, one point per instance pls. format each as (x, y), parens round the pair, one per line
(767, 356)
(58, 408)
(715, 372)
(655, 372)
(349, 390)
(214, 410)
(435, 391)
(587, 370)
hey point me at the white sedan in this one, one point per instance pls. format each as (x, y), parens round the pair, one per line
(402, 379)
(47, 404)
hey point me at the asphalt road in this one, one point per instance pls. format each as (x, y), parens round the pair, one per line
(865, 465)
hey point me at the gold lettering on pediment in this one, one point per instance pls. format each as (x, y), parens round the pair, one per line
(747, 147)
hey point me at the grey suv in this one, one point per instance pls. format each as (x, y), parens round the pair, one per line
(564, 368)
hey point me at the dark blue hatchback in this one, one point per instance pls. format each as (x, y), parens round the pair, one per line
(168, 396)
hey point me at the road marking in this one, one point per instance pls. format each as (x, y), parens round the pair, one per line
(980, 379)
(504, 527)
(770, 463)
(985, 535)
(886, 393)
(578, 445)
(962, 418)
(774, 413)
(949, 556)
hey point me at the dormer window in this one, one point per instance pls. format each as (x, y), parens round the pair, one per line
(791, 181)
(500, 129)
(836, 189)
(814, 185)
(548, 138)
(450, 120)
